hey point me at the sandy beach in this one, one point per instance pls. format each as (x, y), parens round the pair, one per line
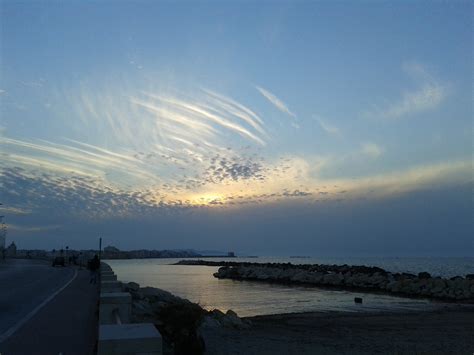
(447, 330)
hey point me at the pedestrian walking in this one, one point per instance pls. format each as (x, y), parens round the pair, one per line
(94, 266)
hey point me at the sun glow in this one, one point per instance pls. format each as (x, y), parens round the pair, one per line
(202, 199)
(208, 199)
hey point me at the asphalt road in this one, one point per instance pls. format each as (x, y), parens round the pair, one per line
(51, 310)
(24, 285)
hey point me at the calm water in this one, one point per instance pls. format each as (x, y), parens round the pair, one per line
(247, 298)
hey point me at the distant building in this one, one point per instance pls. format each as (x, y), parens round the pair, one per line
(111, 252)
(111, 249)
(231, 254)
(11, 250)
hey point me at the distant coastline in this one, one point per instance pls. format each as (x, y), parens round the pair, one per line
(113, 253)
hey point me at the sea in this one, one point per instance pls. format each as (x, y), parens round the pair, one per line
(251, 298)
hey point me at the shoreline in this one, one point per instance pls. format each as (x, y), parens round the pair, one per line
(442, 331)
(441, 307)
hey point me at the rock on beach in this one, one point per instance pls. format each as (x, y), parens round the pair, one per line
(180, 321)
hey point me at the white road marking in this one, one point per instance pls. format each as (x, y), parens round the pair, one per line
(25, 319)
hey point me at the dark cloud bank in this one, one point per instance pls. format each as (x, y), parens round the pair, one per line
(434, 222)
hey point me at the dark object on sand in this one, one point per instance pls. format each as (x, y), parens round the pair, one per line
(59, 260)
(357, 299)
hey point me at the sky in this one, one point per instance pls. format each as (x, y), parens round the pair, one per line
(270, 127)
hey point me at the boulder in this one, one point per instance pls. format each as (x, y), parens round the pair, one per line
(231, 313)
(378, 280)
(407, 276)
(286, 275)
(157, 295)
(301, 276)
(216, 313)
(315, 277)
(132, 286)
(333, 279)
(143, 312)
(438, 285)
(231, 320)
(360, 279)
(424, 275)
(392, 286)
(209, 323)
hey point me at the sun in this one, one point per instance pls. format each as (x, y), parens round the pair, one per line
(207, 199)
(210, 197)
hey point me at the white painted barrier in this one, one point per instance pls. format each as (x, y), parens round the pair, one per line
(110, 286)
(116, 335)
(111, 301)
(129, 339)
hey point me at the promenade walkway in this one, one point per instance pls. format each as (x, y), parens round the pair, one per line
(66, 325)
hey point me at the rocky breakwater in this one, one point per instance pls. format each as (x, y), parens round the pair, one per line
(181, 322)
(360, 278)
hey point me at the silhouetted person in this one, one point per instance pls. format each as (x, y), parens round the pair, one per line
(94, 266)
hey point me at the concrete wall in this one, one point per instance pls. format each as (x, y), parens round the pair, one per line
(141, 338)
(122, 337)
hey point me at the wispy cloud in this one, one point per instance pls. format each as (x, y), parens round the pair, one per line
(162, 151)
(236, 109)
(204, 114)
(410, 179)
(186, 121)
(14, 210)
(371, 150)
(429, 94)
(156, 149)
(89, 160)
(427, 97)
(32, 229)
(275, 101)
(167, 133)
(327, 127)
